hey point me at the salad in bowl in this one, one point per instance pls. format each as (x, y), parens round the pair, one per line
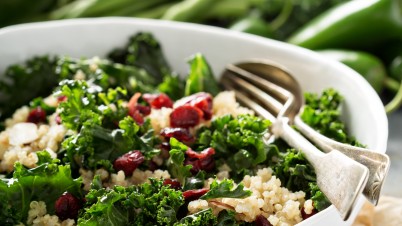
(124, 140)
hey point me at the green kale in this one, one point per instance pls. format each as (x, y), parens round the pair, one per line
(143, 51)
(292, 168)
(47, 182)
(146, 204)
(322, 112)
(23, 82)
(201, 78)
(80, 105)
(38, 102)
(107, 74)
(224, 189)
(202, 218)
(172, 86)
(196, 182)
(176, 161)
(227, 218)
(237, 141)
(320, 202)
(95, 146)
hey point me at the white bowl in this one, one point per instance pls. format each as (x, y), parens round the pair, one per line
(363, 110)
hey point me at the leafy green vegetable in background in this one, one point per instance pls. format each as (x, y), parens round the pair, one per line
(237, 141)
(201, 78)
(224, 189)
(118, 206)
(143, 51)
(23, 82)
(320, 202)
(46, 182)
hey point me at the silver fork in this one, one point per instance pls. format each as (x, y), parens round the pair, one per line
(275, 90)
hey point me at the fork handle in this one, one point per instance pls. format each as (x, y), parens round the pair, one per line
(377, 163)
(281, 128)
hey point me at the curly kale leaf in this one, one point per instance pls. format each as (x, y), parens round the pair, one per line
(176, 161)
(86, 102)
(320, 202)
(322, 112)
(146, 204)
(237, 141)
(23, 82)
(224, 189)
(95, 146)
(143, 51)
(46, 182)
(201, 78)
(202, 218)
(107, 74)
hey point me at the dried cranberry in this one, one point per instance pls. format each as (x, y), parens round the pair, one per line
(200, 155)
(202, 101)
(67, 206)
(37, 115)
(58, 120)
(128, 162)
(144, 110)
(132, 103)
(137, 117)
(185, 117)
(174, 184)
(200, 161)
(158, 101)
(165, 148)
(152, 166)
(181, 134)
(192, 195)
(305, 215)
(260, 220)
(61, 98)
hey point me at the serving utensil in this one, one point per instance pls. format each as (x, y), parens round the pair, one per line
(276, 90)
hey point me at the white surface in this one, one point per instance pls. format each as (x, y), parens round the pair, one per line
(363, 109)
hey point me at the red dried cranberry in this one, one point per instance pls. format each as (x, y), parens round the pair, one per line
(174, 184)
(137, 117)
(260, 220)
(165, 148)
(128, 162)
(200, 155)
(152, 166)
(37, 115)
(185, 117)
(192, 195)
(132, 103)
(305, 215)
(58, 120)
(158, 101)
(67, 206)
(61, 98)
(200, 161)
(202, 101)
(144, 110)
(181, 134)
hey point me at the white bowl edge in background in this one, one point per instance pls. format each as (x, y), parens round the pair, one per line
(95, 37)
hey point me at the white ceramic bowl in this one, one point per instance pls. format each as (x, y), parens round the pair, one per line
(363, 110)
